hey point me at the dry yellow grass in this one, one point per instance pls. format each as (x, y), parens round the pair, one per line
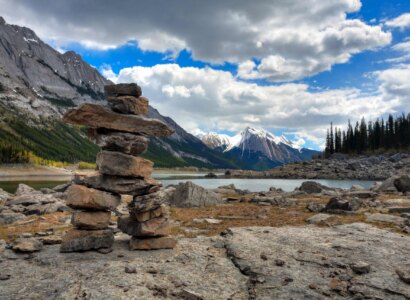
(34, 224)
(250, 214)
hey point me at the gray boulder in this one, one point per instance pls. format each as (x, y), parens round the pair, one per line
(27, 245)
(402, 183)
(10, 217)
(24, 189)
(319, 219)
(397, 157)
(339, 204)
(387, 186)
(385, 218)
(312, 187)
(4, 196)
(315, 207)
(189, 194)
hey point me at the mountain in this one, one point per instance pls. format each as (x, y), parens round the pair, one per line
(216, 141)
(37, 84)
(258, 148)
(38, 80)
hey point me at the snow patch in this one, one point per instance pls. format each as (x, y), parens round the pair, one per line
(28, 40)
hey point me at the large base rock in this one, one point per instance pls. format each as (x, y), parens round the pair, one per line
(84, 240)
(154, 227)
(119, 164)
(96, 116)
(152, 243)
(79, 196)
(118, 185)
(91, 220)
(191, 195)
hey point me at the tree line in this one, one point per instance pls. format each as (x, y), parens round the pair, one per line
(369, 137)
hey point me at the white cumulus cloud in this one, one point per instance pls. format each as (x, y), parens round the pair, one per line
(402, 21)
(207, 99)
(289, 39)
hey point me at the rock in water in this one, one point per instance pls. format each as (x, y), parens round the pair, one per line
(79, 196)
(123, 89)
(119, 164)
(152, 243)
(127, 143)
(91, 220)
(96, 116)
(129, 105)
(118, 185)
(189, 194)
(83, 240)
(312, 187)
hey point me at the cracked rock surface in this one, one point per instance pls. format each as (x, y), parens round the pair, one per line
(355, 261)
(319, 263)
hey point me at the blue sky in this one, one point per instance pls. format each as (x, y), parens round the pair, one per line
(289, 67)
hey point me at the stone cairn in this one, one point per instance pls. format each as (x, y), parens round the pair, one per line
(122, 132)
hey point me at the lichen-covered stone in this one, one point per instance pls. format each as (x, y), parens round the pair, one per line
(82, 197)
(96, 116)
(119, 164)
(83, 240)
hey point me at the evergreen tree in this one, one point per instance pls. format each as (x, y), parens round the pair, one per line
(371, 136)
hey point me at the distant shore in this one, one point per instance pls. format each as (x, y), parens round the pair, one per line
(28, 170)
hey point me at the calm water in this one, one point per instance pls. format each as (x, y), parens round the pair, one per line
(10, 184)
(257, 185)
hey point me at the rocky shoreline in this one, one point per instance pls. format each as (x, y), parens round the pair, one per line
(341, 167)
(315, 242)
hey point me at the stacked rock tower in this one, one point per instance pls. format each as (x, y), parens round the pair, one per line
(122, 132)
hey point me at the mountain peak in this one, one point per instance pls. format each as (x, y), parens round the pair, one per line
(2, 21)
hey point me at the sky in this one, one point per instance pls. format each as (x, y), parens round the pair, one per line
(288, 66)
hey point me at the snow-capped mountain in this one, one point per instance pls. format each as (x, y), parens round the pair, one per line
(216, 141)
(256, 146)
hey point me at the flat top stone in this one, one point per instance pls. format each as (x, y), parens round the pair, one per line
(123, 89)
(97, 116)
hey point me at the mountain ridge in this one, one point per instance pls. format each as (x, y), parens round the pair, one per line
(38, 84)
(253, 145)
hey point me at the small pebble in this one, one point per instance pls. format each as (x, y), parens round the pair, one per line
(130, 270)
(279, 262)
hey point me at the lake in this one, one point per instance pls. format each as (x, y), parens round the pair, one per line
(10, 184)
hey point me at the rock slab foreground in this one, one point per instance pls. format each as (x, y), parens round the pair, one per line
(355, 261)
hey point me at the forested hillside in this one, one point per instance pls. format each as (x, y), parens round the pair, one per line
(377, 136)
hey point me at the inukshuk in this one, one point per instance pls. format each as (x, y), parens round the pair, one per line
(122, 132)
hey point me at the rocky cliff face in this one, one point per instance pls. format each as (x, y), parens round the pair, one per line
(40, 83)
(36, 79)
